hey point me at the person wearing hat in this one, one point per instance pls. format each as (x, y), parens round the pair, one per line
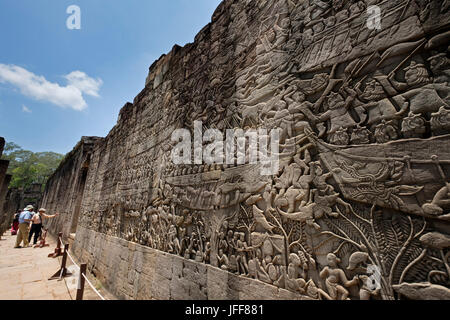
(24, 220)
(36, 225)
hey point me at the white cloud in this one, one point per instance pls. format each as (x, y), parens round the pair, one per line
(84, 83)
(26, 109)
(38, 88)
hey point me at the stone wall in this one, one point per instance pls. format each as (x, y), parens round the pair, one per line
(19, 198)
(4, 182)
(14, 201)
(362, 189)
(5, 215)
(64, 189)
(2, 144)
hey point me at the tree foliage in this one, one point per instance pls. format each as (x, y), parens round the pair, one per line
(27, 167)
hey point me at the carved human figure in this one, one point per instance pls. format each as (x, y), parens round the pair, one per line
(299, 107)
(372, 92)
(229, 240)
(413, 126)
(317, 84)
(416, 75)
(341, 137)
(336, 281)
(374, 101)
(288, 198)
(223, 260)
(207, 252)
(233, 265)
(293, 280)
(256, 267)
(320, 179)
(173, 242)
(440, 121)
(385, 132)
(241, 259)
(268, 197)
(421, 95)
(185, 243)
(440, 67)
(360, 136)
(280, 118)
(338, 115)
(223, 244)
(281, 29)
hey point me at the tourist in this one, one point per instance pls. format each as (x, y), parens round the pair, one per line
(37, 224)
(24, 220)
(15, 224)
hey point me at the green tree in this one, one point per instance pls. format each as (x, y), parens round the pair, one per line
(28, 167)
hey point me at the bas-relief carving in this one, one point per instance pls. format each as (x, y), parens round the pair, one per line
(363, 178)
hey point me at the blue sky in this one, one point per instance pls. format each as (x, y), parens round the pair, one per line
(57, 85)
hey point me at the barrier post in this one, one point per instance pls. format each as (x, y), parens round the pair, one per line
(61, 273)
(81, 281)
(57, 252)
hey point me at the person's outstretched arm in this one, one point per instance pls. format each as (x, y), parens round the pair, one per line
(50, 216)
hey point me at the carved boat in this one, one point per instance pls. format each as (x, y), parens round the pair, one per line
(389, 176)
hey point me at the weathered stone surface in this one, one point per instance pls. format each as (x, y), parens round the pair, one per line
(2, 145)
(67, 185)
(364, 116)
(5, 215)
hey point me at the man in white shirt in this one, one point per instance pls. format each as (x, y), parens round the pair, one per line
(36, 225)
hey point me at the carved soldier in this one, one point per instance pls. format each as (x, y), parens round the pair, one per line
(440, 121)
(385, 132)
(341, 137)
(440, 66)
(338, 115)
(422, 96)
(360, 136)
(416, 75)
(320, 179)
(413, 126)
(300, 108)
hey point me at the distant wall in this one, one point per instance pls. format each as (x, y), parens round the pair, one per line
(4, 182)
(64, 189)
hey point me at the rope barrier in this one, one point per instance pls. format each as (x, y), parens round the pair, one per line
(92, 286)
(80, 286)
(70, 257)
